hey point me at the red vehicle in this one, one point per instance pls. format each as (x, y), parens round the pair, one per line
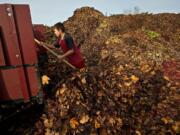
(19, 76)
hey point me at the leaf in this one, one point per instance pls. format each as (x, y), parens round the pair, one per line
(127, 84)
(112, 121)
(100, 93)
(145, 68)
(61, 90)
(119, 122)
(166, 78)
(48, 132)
(153, 72)
(84, 119)
(83, 80)
(48, 123)
(165, 120)
(138, 132)
(56, 133)
(97, 124)
(125, 78)
(134, 78)
(74, 123)
(176, 127)
(45, 79)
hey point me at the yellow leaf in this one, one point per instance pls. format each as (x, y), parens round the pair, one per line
(84, 119)
(134, 78)
(97, 124)
(45, 79)
(74, 123)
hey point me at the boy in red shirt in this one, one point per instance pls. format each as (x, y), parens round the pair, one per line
(65, 42)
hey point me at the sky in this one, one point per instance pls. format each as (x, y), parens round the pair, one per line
(51, 11)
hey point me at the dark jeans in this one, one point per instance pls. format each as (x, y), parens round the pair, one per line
(42, 59)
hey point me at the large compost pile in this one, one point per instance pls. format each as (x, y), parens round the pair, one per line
(130, 84)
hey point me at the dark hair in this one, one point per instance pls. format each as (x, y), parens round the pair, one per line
(59, 26)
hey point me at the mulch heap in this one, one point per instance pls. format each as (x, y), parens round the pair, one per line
(130, 84)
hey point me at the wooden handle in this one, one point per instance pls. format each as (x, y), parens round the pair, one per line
(54, 53)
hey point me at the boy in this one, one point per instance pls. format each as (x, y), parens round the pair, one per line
(69, 48)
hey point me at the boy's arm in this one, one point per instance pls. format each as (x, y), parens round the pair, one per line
(69, 52)
(52, 46)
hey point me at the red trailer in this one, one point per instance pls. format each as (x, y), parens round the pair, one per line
(19, 75)
(9, 36)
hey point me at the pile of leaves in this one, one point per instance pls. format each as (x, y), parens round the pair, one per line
(130, 84)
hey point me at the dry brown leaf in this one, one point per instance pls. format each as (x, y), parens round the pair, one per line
(176, 127)
(48, 132)
(165, 120)
(125, 78)
(83, 80)
(62, 90)
(112, 121)
(97, 124)
(138, 132)
(84, 119)
(74, 123)
(119, 121)
(48, 123)
(166, 78)
(100, 93)
(153, 72)
(127, 84)
(145, 68)
(56, 133)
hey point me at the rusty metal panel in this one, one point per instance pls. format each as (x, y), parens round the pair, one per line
(33, 80)
(24, 83)
(10, 85)
(2, 59)
(9, 35)
(13, 84)
(25, 33)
